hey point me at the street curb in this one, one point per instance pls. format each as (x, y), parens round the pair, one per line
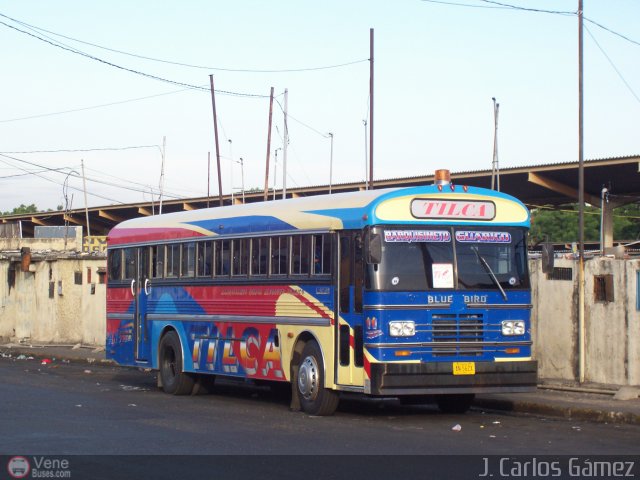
(38, 353)
(570, 413)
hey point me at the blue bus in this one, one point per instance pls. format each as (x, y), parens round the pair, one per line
(418, 293)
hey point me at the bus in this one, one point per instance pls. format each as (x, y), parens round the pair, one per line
(420, 293)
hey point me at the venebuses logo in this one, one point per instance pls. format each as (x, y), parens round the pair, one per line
(18, 467)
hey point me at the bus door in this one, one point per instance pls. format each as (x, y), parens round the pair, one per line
(140, 290)
(349, 337)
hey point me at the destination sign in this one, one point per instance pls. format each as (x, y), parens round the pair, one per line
(453, 209)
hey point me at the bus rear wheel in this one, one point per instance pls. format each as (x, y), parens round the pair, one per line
(314, 398)
(455, 403)
(174, 380)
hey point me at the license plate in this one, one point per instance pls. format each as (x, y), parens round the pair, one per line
(464, 368)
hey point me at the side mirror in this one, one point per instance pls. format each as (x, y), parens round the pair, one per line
(374, 250)
(547, 257)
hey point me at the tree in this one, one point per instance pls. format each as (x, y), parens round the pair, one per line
(561, 225)
(22, 209)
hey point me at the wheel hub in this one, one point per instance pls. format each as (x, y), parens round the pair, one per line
(308, 376)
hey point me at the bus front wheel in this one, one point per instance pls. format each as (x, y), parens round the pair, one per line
(174, 380)
(455, 403)
(315, 399)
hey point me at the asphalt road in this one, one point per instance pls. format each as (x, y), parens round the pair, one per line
(67, 409)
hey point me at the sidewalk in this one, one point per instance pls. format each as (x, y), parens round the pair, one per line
(596, 403)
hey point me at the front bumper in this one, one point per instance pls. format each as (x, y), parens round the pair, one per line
(438, 378)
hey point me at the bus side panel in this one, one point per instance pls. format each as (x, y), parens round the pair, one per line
(216, 340)
(120, 344)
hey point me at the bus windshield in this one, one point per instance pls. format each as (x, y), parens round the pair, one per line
(454, 258)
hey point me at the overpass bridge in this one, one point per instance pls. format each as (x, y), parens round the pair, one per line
(537, 185)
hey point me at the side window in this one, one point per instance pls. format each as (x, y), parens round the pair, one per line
(358, 273)
(240, 248)
(321, 255)
(222, 258)
(115, 264)
(279, 256)
(157, 261)
(259, 256)
(173, 261)
(144, 261)
(204, 263)
(300, 254)
(129, 263)
(345, 273)
(188, 259)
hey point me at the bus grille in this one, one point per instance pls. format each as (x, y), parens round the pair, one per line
(453, 328)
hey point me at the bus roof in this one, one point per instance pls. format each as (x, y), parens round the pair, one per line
(424, 205)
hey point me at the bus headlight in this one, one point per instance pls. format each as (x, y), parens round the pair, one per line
(405, 328)
(513, 327)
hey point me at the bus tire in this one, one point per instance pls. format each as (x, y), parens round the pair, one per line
(174, 380)
(314, 398)
(415, 399)
(455, 403)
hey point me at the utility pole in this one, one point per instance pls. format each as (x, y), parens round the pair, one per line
(208, 177)
(266, 173)
(215, 133)
(284, 147)
(330, 162)
(86, 206)
(371, 108)
(164, 145)
(495, 169)
(581, 286)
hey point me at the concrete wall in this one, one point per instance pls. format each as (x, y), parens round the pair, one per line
(72, 315)
(612, 329)
(73, 243)
(553, 322)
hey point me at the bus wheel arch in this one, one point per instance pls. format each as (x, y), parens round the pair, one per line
(171, 375)
(308, 379)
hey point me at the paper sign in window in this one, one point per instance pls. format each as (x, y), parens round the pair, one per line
(442, 275)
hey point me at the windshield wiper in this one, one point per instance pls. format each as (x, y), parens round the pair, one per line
(490, 272)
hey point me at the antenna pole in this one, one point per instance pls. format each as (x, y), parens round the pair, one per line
(366, 161)
(371, 108)
(164, 145)
(215, 134)
(266, 173)
(86, 206)
(581, 283)
(284, 147)
(331, 163)
(495, 168)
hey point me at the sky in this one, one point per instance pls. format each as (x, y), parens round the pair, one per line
(76, 91)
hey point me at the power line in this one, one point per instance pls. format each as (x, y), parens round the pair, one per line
(92, 107)
(105, 149)
(442, 2)
(75, 175)
(528, 9)
(202, 67)
(612, 65)
(130, 70)
(501, 5)
(610, 31)
(51, 180)
(324, 135)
